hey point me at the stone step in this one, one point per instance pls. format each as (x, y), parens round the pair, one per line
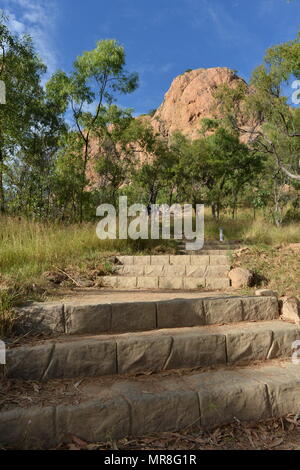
(152, 352)
(96, 317)
(106, 409)
(182, 260)
(167, 270)
(164, 282)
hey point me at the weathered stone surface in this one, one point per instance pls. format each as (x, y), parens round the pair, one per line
(260, 308)
(214, 283)
(197, 350)
(178, 313)
(87, 358)
(284, 336)
(154, 270)
(240, 278)
(133, 316)
(127, 282)
(131, 270)
(109, 281)
(138, 260)
(226, 396)
(219, 260)
(140, 355)
(180, 259)
(283, 384)
(174, 271)
(171, 283)
(223, 310)
(160, 260)
(245, 346)
(200, 260)
(290, 309)
(217, 272)
(85, 319)
(189, 99)
(28, 363)
(266, 293)
(93, 421)
(135, 407)
(196, 271)
(193, 283)
(147, 282)
(160, 407)
(31, 428)
(47, 317)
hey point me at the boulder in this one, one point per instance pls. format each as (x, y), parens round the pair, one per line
(266, 293)
(240, 278)
(290, 309)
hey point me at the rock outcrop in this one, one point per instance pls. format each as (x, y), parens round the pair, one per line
(190, 99)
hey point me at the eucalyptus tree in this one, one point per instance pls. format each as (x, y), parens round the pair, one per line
(98, 76)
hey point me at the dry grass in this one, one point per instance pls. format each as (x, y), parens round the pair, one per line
(277, 268)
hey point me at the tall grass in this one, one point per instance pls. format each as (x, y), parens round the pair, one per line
(28, 248)
(254, 232)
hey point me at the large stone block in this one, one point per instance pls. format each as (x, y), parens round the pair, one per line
(223, 310)
(85, 318)
(244, 346)
(260, 308)
(196, 349)
(193, 283)
(147, 282)
(127, 282)
(174, 271)
(180, 313)
(28, 428)
(196, 271)
(133, 316)
(46, 317)
(225, 396)
(199, 260)
(160, 260)
(217, 272)
(125, 259)
(218, 284)
(109, 281)
(180, 259)
(284, 335)
(144, 260)
(28, 363)
(154, 270)
(93, 421)
(171, 283)
(219, 260)
(145, 354)
(156, 409)
(131, 270)
(88, 358)
(283, 384)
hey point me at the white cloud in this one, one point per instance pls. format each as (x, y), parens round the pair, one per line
(37, 18)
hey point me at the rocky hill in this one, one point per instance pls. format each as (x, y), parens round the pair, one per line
(190, 99)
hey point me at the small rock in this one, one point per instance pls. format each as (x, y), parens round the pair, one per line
(240, 278)
(86, 283)
(266, 293)
(290, 309)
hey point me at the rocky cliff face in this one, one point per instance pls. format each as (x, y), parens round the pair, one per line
(190, 99)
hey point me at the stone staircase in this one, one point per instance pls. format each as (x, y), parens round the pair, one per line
(116, 369)
(210, 271)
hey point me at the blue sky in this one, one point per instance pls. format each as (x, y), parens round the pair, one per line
(162, 38)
